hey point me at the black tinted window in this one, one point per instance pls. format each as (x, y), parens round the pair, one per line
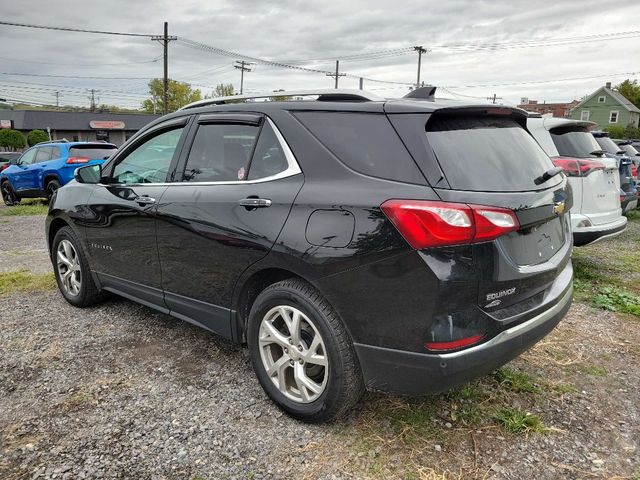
(268, 159)
(365, 142)
(220, 153)
(485, 153)
(574, 142)
(93, 152)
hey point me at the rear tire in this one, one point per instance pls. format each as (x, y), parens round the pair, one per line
(314, 374)
(72, 271)
(50, 188)
(8, 195)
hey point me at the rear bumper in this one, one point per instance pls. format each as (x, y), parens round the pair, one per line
(585, 235)
(417, 374)
(629, 203)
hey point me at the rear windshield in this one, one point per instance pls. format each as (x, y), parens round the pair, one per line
(630, 149)
(575, 141)
(94, 152)
(608, 145)
(484, 153)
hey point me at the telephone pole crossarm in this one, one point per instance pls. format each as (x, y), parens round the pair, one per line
(420, 49)
(337, 75)
(243, 67)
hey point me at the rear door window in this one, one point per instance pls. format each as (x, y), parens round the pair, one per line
(220, 153)
(575, 142)
(487, 153)
(365, 142)
(44, 154)
(268, 159)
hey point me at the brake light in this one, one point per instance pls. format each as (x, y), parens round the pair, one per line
(577, 167)
(2, 167)
(462, 342)
(425, 223)
(75, 160)
(634, 170)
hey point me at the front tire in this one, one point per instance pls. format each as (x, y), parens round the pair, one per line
(302, 353)
(8, 195)
(72, 271)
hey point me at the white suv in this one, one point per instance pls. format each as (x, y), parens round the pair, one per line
(596, 212)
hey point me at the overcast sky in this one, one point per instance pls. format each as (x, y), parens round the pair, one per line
(295, 31)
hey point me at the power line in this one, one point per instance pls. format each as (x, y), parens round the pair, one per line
(38, 62)
(536, 82)
(77, 30)
(71, 76)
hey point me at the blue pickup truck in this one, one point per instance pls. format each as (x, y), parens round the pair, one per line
(44, 168)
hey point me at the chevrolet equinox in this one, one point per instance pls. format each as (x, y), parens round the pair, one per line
(351, 242)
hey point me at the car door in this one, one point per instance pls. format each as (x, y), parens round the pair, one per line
(232, 193)
(20, 176)
(43, 158)
(121, 236)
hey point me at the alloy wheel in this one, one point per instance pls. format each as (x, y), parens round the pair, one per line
(51, 189)
(69, 270)
(293, 354)
(7, 195)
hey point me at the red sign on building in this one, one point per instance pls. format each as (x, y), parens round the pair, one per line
(106, 125)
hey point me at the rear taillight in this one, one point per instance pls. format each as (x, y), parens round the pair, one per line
(75, 160)
(454, 344)
(425, 223)
(634, 170)
(577, 167)
(2, 167)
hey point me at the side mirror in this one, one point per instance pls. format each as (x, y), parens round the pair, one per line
(88, 174)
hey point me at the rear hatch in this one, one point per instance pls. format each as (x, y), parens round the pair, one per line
(485, 156)
(582, 158)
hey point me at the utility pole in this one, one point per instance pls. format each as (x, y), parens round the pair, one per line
(420, 49)
(57, 94)
(494, 98)
(337, 74)
(164, 40)
(243, 67)
(361, 83)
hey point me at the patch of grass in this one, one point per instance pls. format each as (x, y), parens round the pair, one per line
(25, 281)
(516, 381)
(414, 421)
(633, 216)
(77, 400)
(563, 388)
(515, 420)
(26, 209)
(616, 300)
(593, 370)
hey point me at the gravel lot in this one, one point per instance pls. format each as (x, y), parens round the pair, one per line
(120, 391)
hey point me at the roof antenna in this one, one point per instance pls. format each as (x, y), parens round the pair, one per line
(423, 93)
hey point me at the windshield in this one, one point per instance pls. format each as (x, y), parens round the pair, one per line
(488, 153)
(574, 141)
(608, 145)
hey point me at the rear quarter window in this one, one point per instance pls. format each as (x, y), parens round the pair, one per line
(365, 142)
(487, 153)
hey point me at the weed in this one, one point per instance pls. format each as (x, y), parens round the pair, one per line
(616, 300)
(564, 388)
(25, 281)
(515, 420)
(516, 381)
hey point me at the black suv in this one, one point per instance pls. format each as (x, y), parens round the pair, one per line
(352, 242)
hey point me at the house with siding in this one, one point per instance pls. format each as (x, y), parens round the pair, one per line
(607, 107)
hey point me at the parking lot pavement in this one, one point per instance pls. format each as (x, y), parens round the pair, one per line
(22, 244)
(120, 391)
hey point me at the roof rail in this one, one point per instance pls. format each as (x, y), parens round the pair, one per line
(64, 140)
(326, 95)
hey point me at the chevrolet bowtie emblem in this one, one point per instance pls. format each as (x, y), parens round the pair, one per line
(558, 208)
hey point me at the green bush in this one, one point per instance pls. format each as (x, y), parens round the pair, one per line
(12, 139)
(37, 136)
(615, 131)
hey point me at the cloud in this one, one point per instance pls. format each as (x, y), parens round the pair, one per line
(296, 30)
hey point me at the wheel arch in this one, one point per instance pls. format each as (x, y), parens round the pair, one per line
(54, 227)
(48, 176)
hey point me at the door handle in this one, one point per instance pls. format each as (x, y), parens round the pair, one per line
(254, 202)
(145, 200)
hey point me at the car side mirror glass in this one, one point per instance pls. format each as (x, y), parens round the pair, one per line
(88, 174)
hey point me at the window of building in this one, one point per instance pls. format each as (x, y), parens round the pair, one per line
(584, 115)
(602, 99)
(613, 116)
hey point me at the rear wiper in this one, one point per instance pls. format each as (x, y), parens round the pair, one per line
(552, 172)
(597, 153)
